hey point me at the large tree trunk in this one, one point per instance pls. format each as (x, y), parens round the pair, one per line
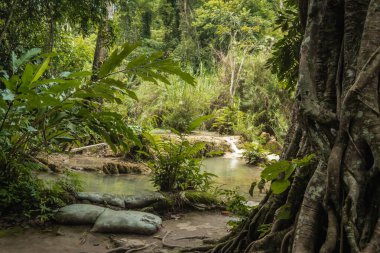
(335, 201)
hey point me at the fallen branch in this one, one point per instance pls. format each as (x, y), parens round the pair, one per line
(74, 150)
(200, 237)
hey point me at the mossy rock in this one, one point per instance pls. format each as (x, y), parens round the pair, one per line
(164, 204)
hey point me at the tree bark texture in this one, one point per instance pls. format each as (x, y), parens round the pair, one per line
(103, 40)
(334, 202)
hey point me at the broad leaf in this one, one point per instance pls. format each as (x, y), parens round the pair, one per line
(197, 122)
(41, 70)
(17, 62)
(279, 186)
(272, 171)
(115, 59)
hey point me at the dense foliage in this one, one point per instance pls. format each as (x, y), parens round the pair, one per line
(79, 72)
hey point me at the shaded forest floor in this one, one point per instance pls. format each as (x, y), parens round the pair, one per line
(75, 239)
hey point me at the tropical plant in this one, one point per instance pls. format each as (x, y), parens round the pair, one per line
(254, 153)
(38, 113)
(280, 172)
(175, 166)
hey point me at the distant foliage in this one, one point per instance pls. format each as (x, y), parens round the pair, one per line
(226, 118)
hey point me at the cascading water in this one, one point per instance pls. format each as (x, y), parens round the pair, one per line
(237, 153)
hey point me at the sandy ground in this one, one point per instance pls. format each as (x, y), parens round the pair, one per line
(79, 239)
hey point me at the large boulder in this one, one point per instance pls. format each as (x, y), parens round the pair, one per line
(143, 199)
(78, 214)
(132, 222)
(102, 198)
(140, 200)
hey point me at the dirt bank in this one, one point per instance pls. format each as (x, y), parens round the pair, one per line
(79, 239)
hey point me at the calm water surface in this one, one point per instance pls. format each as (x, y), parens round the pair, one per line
(231, 173)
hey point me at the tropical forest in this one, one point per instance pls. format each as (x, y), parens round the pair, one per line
(167, 126)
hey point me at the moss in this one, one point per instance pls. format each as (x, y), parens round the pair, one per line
(10, 231)
(198, 197)
(167, 203)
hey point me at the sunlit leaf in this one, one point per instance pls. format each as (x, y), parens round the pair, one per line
(41, 70)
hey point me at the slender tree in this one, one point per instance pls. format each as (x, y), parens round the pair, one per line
(333, 204)
(103, 39)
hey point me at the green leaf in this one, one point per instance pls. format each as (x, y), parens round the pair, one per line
(174, 69)
(27, 75)
(10, 85)
(272, 171)
(46, 81)
(197, 122)
(304, 161)
(279, 186)
(132, 95)
(115, 59)
(16, 63)
(41, 70)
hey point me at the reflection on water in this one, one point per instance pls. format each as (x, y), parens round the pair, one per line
(118, 184)
(231, 172)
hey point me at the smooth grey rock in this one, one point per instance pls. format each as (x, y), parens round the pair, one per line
(94, 197)
(78, 214)
(132, 222)
(143, 199)
(102, 198)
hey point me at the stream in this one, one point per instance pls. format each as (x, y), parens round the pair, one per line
(230, 172)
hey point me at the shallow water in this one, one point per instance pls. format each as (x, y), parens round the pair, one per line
(231, 173)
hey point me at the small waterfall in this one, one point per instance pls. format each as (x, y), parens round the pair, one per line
(236, 151)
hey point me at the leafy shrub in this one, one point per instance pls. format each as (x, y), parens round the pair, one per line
(42, 113)
(254, 153)
(175, 166)
(25, 194)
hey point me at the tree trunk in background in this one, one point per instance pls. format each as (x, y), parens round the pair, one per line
(334, 203)
(8, 21)
(103, 41)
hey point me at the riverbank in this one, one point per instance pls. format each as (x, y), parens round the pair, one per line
(194, 226)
